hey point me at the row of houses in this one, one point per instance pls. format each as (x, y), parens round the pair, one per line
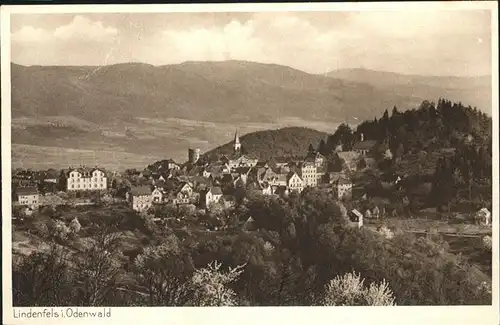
(202, 183)
(142, 198)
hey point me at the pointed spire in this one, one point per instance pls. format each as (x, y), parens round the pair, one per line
(236, 137)
(237, 144)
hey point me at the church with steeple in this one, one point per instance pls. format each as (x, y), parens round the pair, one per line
(237, 158)
(237, 143)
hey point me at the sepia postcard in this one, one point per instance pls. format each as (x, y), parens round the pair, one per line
(329, 163)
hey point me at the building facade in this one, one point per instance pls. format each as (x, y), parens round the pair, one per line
(28, 196)
(295, 183)
(140, 198)
(83, 179)
(213, 195)
(308, 172)
(343, 188)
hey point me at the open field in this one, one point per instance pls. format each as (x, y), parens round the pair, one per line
(38, 144)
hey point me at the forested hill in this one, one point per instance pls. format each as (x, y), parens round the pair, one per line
(429, 126)
(290, 141)
(446, 144)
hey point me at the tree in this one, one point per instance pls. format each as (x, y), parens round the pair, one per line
(42, 279)
(162, 272)
(97, 270)
(210, 286)
(62, 181)
(343, 135)
(322, 148)
(310, 150)
(349, 290)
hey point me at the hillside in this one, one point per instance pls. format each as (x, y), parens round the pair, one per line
(136, 110)
(292, 141)
(474, 91)
(231, 91)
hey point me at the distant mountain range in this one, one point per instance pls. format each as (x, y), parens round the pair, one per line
(235, 91)
(162, 110)
(474, 91)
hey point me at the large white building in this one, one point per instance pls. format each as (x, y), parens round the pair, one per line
(85, 179)
(308, 171)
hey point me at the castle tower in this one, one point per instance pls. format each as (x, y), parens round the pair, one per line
(237, 144)
(193, 155)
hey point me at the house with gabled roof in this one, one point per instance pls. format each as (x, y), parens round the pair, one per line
(140, 198)
(242, 161)
(355, 218)
(28, 196)
(294, 182)
(342, 187)
(157, 196)
(349, 159)
(364, 147)
(210, 196)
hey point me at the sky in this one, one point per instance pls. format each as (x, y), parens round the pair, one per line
(424, 42)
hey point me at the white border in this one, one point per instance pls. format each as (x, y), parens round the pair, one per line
(251, 315)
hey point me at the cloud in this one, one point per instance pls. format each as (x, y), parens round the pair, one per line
(231, 41)
(29, 34)
(82, 28)
(416, 42)
(79, 29)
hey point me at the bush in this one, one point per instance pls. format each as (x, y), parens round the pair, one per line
(487, 243)
(75, 226)
(349, 290)
(210, 286)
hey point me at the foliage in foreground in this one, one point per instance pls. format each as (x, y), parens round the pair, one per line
(301, 244)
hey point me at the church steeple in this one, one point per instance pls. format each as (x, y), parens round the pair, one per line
(237, 144)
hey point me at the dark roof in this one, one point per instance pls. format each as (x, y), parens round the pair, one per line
(364, 145)
(140, 190)
(216, 190)
(84, 170)
(181, 185)
(27, 190)
(290, 175)
(261, 164)
(242, 170)
(306, 163)
(342, 180)
(281, 160)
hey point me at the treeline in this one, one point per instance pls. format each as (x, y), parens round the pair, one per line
(429, 127)
(300, 250)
